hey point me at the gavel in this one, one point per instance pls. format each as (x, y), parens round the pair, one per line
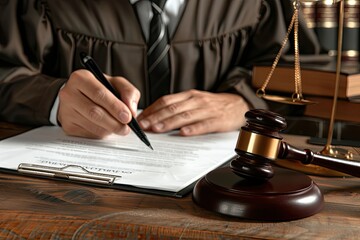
(259, 144)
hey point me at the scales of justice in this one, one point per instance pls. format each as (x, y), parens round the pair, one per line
(252, 186)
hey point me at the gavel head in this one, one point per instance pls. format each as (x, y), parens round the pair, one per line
(258, 144)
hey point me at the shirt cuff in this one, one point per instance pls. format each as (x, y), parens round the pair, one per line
(54, 110)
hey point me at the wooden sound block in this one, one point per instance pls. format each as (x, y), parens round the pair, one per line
(288, 195)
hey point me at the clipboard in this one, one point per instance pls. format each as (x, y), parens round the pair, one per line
(13, 152)
(85, 177)
(88, 178)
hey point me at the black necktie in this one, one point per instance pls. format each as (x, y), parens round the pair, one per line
(158, 57)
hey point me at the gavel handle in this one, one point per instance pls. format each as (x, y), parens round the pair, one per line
(306, 156)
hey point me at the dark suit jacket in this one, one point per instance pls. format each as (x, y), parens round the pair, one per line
(213, 48)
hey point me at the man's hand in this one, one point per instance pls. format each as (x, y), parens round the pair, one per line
(88, 109)
(195, 112)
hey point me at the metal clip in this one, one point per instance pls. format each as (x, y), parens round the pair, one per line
(67, 172)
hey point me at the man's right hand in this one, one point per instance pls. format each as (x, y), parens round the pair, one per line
(88, 109)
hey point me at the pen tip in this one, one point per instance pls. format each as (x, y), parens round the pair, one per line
(151, 147)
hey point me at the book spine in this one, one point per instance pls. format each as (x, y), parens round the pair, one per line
(309, 13)
(345, 109)
(351, 35)
(327, 25)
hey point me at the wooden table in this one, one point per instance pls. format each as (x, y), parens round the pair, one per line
(32, 208)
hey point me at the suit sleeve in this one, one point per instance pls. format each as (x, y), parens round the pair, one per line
(27, 93)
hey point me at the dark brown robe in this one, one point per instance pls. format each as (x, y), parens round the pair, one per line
(213, 48)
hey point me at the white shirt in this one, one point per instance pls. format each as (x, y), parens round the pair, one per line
(173, 10)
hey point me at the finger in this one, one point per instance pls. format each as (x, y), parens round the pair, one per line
(172, 105)
(81, 127)
(165, 101)
(79, 131)
(130, 95)
(100, 117)
(101, 96)
(83, 108)
(177, 110)
(180, 120)
(209, 125)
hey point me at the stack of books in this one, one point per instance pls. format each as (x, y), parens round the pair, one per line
(318, 85)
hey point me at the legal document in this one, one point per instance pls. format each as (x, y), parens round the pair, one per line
(175, 163)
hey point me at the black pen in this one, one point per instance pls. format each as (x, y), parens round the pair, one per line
(91, 65)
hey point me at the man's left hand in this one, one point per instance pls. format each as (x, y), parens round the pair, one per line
(195, 112)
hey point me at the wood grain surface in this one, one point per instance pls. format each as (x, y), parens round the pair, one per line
(34, 208)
